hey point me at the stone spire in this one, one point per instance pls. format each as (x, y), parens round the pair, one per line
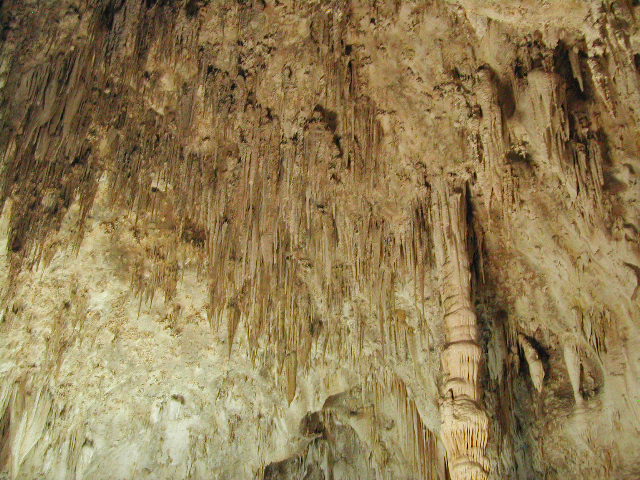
(465, 425)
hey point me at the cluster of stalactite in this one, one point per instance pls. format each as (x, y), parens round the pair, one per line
(390, 408)
(465, 426)
(289, 217)
(417, 440)
(28, 411)
(282, 224)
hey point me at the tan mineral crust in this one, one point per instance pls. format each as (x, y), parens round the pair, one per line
(320, 239)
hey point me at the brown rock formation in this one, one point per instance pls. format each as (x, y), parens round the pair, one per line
(319, 239)
(465, 427)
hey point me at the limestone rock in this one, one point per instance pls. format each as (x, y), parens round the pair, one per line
(259, 239)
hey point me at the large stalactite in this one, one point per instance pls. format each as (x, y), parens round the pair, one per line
(465, 426)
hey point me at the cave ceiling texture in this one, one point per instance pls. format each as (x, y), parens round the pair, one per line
(319, 239)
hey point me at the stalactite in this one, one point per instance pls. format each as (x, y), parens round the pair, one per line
(536, 369)
(574, 369)
(465, 426)
(493, 172)
(418, 441)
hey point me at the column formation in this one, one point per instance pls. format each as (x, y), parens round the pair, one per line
(465, 426)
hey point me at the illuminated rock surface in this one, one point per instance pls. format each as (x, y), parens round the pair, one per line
(298, 239)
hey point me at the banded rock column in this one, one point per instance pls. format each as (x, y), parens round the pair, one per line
(465, 425)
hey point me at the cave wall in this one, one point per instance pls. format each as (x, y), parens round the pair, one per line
(319, 239)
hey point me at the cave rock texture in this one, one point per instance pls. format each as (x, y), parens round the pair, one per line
(320, 239)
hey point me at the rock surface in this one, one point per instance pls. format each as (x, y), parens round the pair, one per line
(304, 239)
